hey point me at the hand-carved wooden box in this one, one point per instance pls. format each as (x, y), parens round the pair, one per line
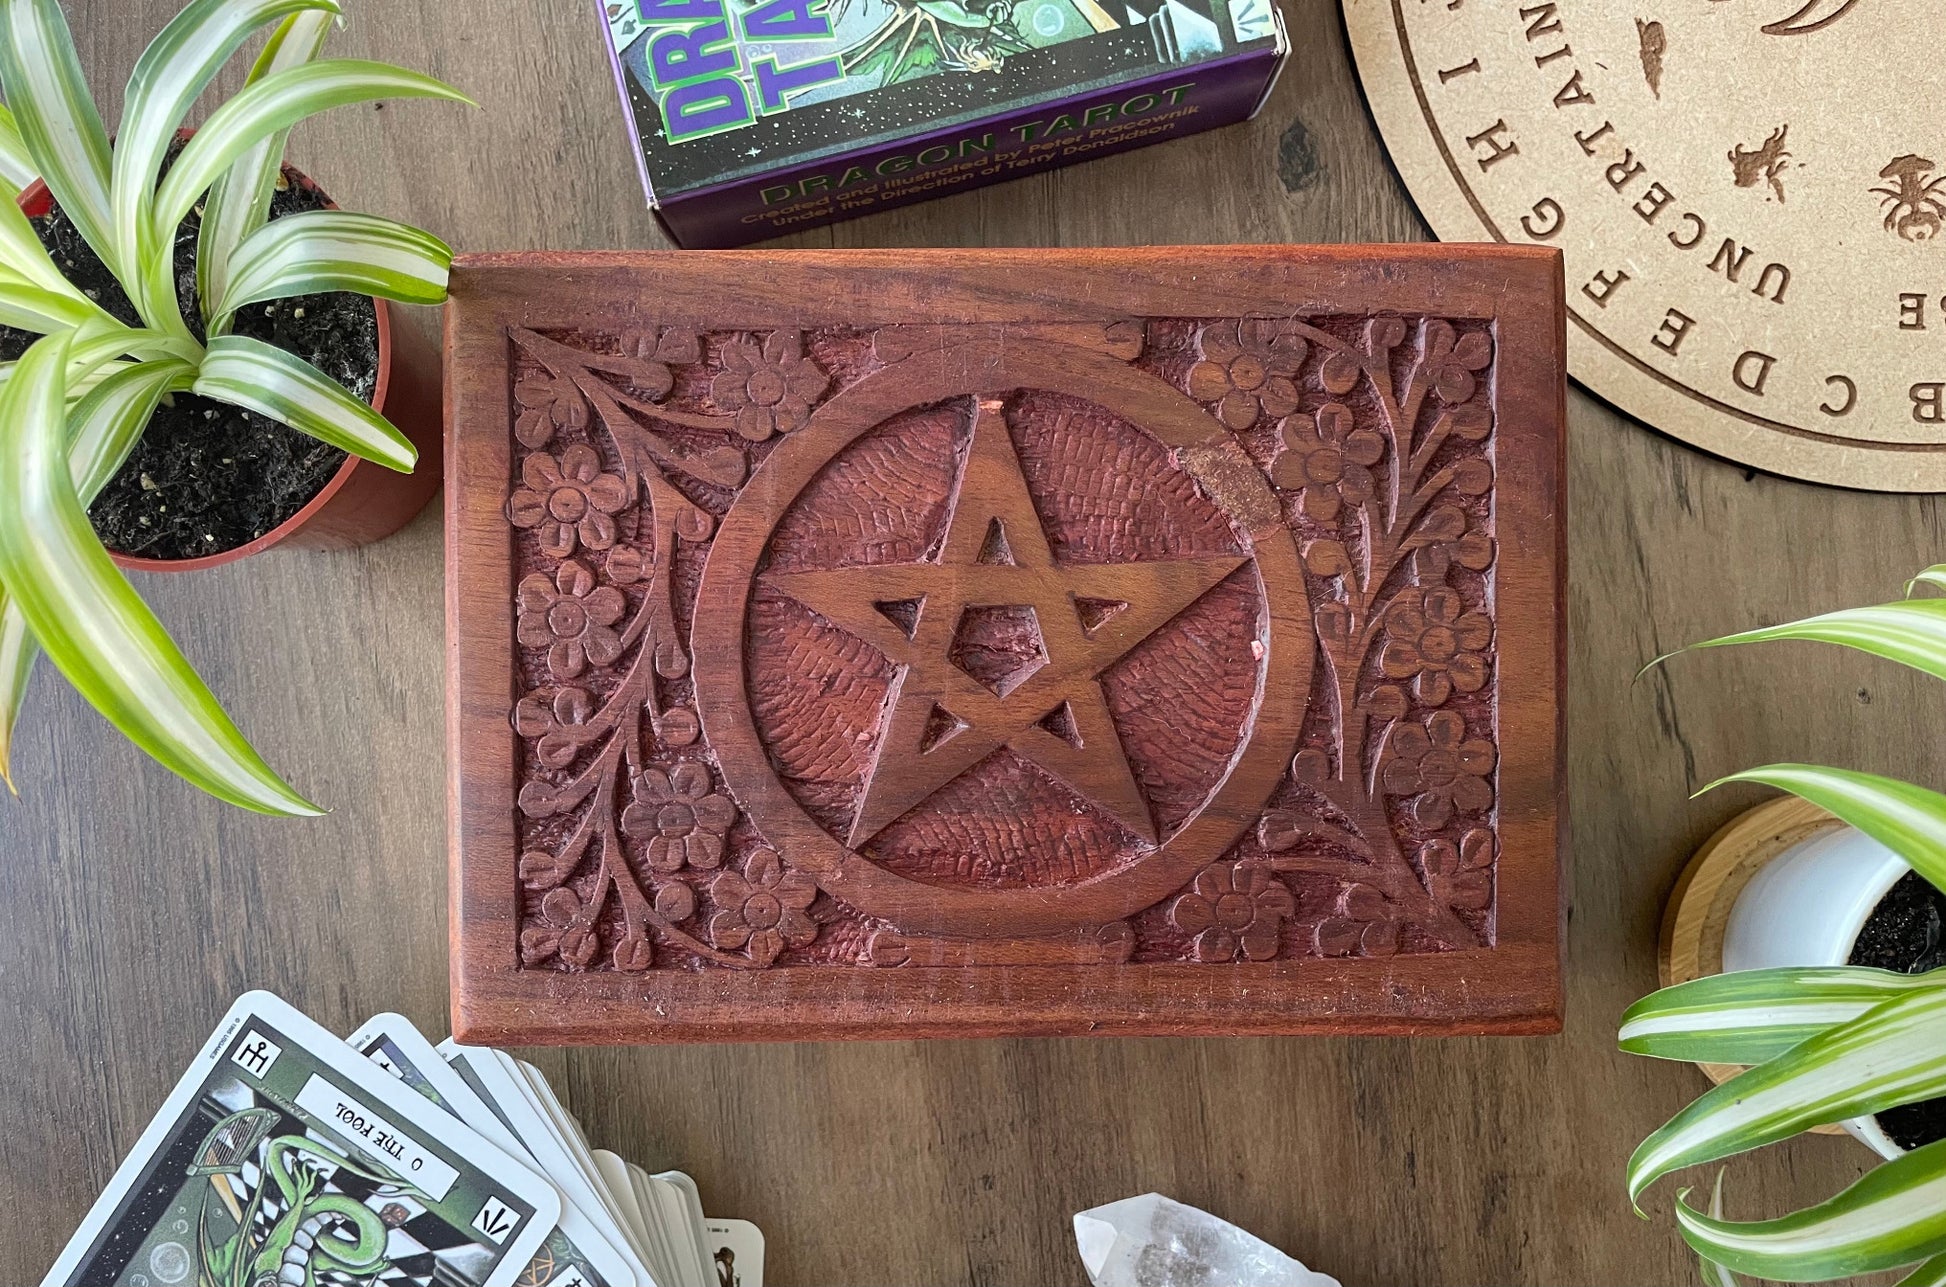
(949, 643)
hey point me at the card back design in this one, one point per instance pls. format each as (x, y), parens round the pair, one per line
(1161, 640)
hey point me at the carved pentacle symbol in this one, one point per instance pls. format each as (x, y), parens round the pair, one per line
(1749, 197)
(952, 706)
(1005, 661)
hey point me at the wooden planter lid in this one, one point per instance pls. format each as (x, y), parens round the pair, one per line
(1698, 910)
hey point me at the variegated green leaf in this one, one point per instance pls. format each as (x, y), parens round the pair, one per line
(1934, 576)
(1715, 1275)
(276, 103)
(1894, 1216)
(99, 341)
(270, 382)
(17, 654)
(102, 429)
(239, 200)
(1930, 1274)
(17, 168)
(106, 424)
(1909, 820)
(36, 309)
(97, 347)
(56, 116)
(1910, 631)
(1752, 1015)
(170, 75)
(324, 250)
(22, 254)
(1892, 1054)
(87, 617)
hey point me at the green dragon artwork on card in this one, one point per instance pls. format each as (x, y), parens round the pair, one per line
(919, 37)
(313, 1234)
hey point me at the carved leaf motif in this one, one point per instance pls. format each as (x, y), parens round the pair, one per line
(1336, 936)
(1461, 874)
(561, 907)
(547, 403)
(540, 869)
(1327, 558)
(578, 945)
(539, 943)
(633, 954)
(675, 902)
(1471, 422)
(887, 947)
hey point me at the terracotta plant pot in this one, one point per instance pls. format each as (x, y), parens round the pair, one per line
(1781, 884)
(362, 502)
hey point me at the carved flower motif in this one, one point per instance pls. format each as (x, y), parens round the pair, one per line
(1341, 368)
(683, 820)
(563, 930)
(550, 714)
(1462, 874)
(763, 910)
(568, 498)
(770, 388)
(1362, 920)
(1441, 768)
(1246, 369)
(1451, 359)
(1471, 549)
(1329, 458)
(648, 355)
(548, 402)
(1233, 909)
(571, 617)
(1429, 640)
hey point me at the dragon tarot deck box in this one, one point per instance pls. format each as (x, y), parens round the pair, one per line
(755, 118)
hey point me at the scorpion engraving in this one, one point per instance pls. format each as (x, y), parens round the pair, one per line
(1916, 205)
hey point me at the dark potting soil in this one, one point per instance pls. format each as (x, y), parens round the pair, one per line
(1903, 933)
(206, 476)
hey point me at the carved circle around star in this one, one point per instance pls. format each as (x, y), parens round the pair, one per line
(1202, 445)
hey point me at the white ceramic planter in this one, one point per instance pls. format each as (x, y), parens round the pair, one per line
(1807, 906)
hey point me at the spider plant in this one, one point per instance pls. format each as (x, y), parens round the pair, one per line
(75, 404)
(1824, 1043)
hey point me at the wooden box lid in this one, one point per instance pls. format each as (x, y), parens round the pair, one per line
(953, 643)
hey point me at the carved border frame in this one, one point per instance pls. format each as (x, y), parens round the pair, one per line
(1511, 987)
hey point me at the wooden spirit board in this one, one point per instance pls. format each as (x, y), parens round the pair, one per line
(954, 643)
(1745, 192)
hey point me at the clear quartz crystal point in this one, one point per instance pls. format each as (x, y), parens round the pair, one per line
(1153, 1241)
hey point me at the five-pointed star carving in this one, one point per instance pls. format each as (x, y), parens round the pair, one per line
(941, 720)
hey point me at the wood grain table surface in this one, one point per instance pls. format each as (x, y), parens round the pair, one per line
(132, 910)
